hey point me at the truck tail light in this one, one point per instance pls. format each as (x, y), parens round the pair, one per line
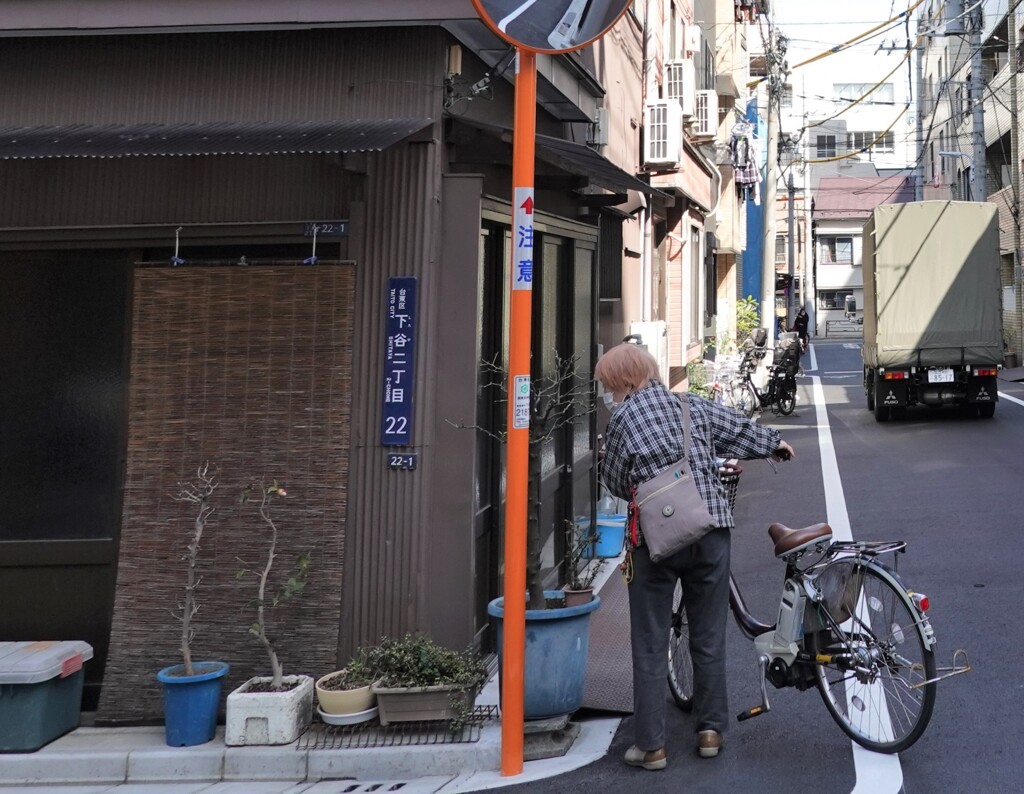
(980, 373)
(895, 375)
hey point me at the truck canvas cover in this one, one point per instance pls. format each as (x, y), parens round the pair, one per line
(931, 285)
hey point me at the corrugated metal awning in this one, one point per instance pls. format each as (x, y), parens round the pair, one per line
(138, 140)
(584, 161)
(573, 158)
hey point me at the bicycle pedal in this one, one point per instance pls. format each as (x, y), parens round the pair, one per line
(755, 711)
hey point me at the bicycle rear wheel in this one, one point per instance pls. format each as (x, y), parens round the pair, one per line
(680, 665)
(787, 402)
(874, 668)
(743, 399)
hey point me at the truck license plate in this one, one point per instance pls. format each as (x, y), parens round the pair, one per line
(944, 375)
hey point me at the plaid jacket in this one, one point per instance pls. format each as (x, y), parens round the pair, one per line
(645, 436)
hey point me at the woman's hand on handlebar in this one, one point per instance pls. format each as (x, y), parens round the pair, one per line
(783, 452)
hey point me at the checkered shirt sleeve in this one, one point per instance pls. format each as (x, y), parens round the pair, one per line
(645, 436)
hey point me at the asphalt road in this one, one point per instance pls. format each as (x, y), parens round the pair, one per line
(952, 487)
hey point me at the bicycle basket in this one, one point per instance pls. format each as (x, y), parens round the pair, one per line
(730, 477)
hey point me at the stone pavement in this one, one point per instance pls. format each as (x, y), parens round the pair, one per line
(137, 761)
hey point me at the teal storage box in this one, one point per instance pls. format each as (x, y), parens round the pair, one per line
(40, 692)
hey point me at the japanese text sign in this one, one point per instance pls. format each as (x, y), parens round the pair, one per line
(399, 358)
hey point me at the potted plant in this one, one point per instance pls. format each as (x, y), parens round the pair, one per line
(344, 696)
(581, 566)
(273, 709)
(417, 679)
(557, 635)
(192, 689)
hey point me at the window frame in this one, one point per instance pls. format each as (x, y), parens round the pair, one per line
(823, 150)
(823, 242)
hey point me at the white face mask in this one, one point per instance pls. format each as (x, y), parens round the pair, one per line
(609, 402)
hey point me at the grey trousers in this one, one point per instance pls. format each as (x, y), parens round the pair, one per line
(703, 569)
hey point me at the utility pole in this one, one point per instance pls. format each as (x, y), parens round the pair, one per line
(919, 99)
(775, 52)
(791, 254)
(979, 169)
(1011, 40)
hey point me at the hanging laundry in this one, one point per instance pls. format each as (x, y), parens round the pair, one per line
(743, 155)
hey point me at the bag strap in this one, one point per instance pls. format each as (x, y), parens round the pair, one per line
(685, 404)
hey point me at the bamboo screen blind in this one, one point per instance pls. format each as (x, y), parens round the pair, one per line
(249, 369)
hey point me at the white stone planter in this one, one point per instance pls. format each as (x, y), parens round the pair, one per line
(269, 717)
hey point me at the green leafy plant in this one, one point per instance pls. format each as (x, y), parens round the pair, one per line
(416, 661)
(697, 379)
(266, 595)
(748, 318)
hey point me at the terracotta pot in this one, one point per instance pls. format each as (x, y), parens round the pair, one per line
(576, 597)
(344, 701)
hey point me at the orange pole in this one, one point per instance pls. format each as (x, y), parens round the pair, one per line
(514, 623)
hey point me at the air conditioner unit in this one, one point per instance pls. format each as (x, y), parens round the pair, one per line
(691, 39)
(706, 116)
(680, 84)
(663, 132)
(654, 337)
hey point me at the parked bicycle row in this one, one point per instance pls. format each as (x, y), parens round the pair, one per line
(734, 382)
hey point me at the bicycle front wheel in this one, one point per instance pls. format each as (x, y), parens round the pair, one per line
(680, 665)
(872, 671)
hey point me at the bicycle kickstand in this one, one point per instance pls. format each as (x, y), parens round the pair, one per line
(764, 708)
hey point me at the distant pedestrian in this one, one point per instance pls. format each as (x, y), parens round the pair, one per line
(800, 326)
(644, 437)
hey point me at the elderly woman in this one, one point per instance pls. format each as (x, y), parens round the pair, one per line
(645, 436)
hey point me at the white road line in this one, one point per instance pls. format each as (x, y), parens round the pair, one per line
(508, 20)
(876, 773)
(1003, 396)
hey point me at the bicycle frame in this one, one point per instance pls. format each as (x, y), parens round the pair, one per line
(848, 627)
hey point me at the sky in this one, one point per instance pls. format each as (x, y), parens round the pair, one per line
(813, 26)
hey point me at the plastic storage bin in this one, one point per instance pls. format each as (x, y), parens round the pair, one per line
(40, 692)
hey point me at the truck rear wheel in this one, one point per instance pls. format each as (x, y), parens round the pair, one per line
(869, 389)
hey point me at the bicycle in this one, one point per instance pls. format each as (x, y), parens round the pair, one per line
(847, 625)
(779, 393)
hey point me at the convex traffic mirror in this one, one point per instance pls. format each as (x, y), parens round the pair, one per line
(550, 25)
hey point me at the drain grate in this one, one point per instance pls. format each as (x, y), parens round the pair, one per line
(423, 785)
(398, 734)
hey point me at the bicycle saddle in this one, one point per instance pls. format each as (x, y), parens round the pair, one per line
(788, 540)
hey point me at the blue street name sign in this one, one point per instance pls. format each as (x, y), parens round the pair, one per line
(399, 359)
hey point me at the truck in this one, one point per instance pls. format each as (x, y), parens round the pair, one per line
(933, 326)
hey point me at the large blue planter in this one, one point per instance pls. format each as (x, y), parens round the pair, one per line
(191, 702)
(555, 665)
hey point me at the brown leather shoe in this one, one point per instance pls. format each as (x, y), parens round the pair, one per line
(709, 743)
(651, 761)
